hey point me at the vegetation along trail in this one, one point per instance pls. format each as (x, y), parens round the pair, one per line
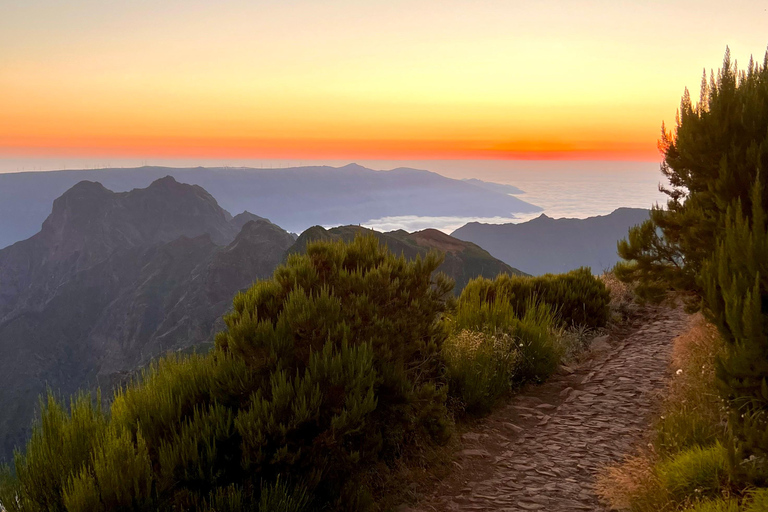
(543, 449)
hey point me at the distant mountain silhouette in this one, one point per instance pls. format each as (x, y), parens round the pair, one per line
(294, 198)
(113, 280)
(463, 260)
(545, 245)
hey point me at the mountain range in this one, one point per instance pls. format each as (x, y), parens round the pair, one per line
(294, 198)
(113, 279)
(546, 245)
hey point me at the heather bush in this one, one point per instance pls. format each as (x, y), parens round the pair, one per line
(577, 297)
(331, 367)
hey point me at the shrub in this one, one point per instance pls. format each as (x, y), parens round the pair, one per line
(491, 349)
(60, 446)
(577, 297)
(333, 365)
(718, 505)
(481, 368)
(694, 472)
(737, 299)
(755, 501)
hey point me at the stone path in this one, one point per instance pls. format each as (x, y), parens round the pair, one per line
(543, 449)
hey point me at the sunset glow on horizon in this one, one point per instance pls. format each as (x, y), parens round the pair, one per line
(339, 79)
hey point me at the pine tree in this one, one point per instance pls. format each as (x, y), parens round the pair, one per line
(735, 280)
(710, 161)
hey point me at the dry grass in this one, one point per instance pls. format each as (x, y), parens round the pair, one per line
(623, 485)
(694, 413)
(623, 303)
(694, 352)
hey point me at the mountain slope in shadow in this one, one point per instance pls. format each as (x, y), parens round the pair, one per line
(546, 245)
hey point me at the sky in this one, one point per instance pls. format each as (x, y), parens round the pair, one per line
(356, 80)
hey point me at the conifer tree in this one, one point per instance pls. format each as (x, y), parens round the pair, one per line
(711, 160)
(735, 280)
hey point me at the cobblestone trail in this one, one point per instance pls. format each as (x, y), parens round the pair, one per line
(542, 450)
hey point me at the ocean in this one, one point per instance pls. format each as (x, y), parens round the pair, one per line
(572, 189)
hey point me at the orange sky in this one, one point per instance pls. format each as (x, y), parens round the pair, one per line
(422, 79)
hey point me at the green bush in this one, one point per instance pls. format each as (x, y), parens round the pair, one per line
(755, 501)
(481, 368)
(686, 426)
(577, 297)
(711, 161)
(737, 298)
(330, 367)
(696, 472)
(491, 349)
(718, 505)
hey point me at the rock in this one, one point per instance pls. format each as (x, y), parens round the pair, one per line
(474, 453)
(600, 344)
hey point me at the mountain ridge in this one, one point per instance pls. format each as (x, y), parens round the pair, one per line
(294, 198)
(547, 245)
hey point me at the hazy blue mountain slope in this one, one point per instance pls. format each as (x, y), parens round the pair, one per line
(294, 198)
(545, 245)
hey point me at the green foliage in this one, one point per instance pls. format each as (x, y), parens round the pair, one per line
(60, 446)
(119, 477)
(694, 472)
(332, 366)
(577, 297)
(685, 427)
(481, 368)
(491, 349)
(718, 505)
(279, 497)
(736, 284)
(711, 161)
(757, 501)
